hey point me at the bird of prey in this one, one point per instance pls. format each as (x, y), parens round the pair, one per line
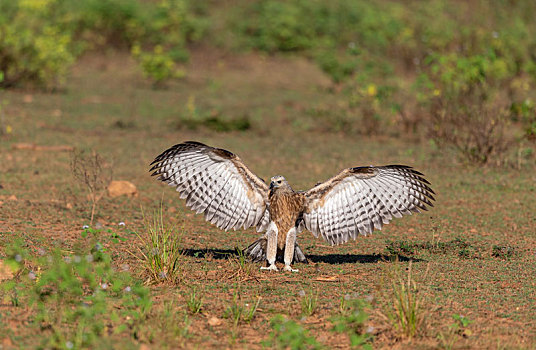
(358, 200)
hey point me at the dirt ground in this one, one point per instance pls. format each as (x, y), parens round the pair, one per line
(456, 250)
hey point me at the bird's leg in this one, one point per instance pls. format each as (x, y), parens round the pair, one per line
(271, 247)
(289, 249)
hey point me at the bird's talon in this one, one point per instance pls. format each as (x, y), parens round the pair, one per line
(288, 268)
(269, 268)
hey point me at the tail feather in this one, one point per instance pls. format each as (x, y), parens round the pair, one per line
(298, 255)
(257, 252)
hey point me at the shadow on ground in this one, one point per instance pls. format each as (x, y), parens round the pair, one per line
(353, 258)
(334, 259)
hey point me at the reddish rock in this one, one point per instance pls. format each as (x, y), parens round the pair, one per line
(120, 188)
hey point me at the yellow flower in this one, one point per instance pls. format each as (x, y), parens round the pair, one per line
(371, 90)
(437, 92)
(9, 129)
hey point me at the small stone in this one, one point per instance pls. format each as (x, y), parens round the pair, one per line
(214, 321)
(120, 188)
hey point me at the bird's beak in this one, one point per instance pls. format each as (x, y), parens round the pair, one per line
(271, 185)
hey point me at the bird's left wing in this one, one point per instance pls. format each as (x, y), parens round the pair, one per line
(215, 182)
(359, 200)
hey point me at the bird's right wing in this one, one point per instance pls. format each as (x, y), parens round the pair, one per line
(215, 182)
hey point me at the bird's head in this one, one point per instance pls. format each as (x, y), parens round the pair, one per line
(278, 181)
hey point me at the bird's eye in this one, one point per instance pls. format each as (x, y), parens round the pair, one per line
(278, 181)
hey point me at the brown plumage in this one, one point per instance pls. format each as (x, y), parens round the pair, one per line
(286, 207)
(358, 200)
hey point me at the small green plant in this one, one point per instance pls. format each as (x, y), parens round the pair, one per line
(405, 310)
(160, 249)
(77, 296)
(351, 320)
(92, 171)
(194, 302)
(308, 302)
(287, 334)
(504, 252)
(456, 330)
(251, 310)
(239, 311)
(398, 248)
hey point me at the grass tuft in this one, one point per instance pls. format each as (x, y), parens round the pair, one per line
(161, 250)
(194, 302)
(405, 310)
(239, 311)
(308, 302)
(243, 268)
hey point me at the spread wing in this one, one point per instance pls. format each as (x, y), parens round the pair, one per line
(215, 182)
(359, 200)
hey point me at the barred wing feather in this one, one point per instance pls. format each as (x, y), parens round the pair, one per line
(360, 200)
(216, 183)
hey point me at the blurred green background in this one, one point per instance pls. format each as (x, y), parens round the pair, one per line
(461, 73)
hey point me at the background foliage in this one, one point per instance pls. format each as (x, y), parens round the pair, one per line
(397, 66)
